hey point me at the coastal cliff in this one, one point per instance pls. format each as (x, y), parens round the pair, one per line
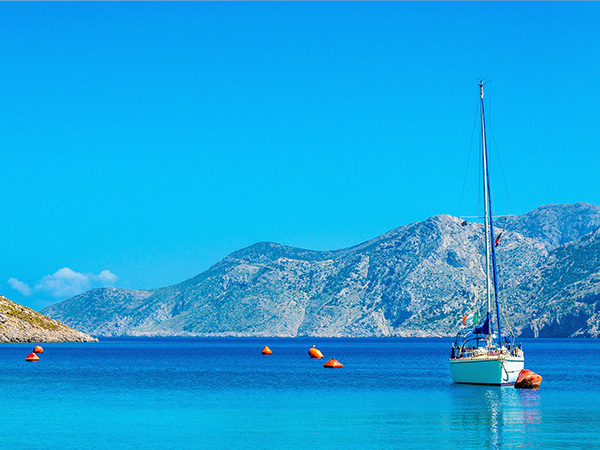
(21, 324)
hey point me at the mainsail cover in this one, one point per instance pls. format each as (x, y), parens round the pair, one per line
(485, 328)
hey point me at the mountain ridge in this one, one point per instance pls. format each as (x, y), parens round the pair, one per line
(414, 280)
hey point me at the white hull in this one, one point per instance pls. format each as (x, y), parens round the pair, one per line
(490, 370)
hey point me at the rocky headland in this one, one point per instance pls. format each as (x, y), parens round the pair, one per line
(21, 324)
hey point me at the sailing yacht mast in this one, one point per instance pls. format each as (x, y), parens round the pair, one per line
(489, 231)
(486, 206)
(475, 359)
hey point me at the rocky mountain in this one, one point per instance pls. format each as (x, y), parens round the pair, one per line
(21, 324)
(568, 282)
(416, 280)
(555, 225)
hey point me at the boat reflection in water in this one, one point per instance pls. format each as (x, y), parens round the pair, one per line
(494, 417)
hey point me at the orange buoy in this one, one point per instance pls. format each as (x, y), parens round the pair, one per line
(38, 349)
(266, 351)
(333, 364)
(528, 380)
(315, 353)
(32, 357)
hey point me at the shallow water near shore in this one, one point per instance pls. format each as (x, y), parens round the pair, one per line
(171, 393)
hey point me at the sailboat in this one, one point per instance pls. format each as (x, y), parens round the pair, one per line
(482, 355)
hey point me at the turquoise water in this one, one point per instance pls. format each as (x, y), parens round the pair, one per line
(223, 394)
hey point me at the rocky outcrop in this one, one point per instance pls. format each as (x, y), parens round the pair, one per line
(21, 324)
(416, 280)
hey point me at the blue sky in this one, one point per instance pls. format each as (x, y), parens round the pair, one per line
(143, 142)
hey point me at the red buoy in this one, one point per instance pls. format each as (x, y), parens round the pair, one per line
(32, 357)
(38, 349)
(315, 353)
(333, 364)
(266, 351)
(528, 380)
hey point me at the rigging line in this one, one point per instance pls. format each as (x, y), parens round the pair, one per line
(508, 325)
(462, 195)
(486, 101)
(479, 180)
(504, 312)
(501, 169)
(488, 122)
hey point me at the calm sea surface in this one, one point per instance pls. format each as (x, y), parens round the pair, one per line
(223, 394)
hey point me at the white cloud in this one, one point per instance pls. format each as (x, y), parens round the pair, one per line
(20, 286)
(64, 283)
(67, 282)
(106, 278)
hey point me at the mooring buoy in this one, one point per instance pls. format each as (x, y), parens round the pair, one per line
(32, 357)
(266, 351)
(315, 353)
(333, 364)
(528, 380)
